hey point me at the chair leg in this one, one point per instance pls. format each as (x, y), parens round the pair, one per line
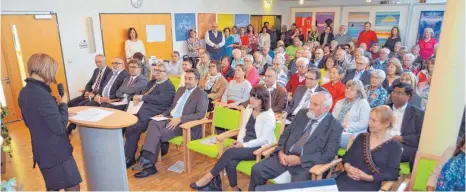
(159, 159)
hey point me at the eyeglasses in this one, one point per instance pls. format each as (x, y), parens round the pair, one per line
(212, 66)
(133, 67)
(116, 63)
(399, 93)
(158, 70)
(312, 79)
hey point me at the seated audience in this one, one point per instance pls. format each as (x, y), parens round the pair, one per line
(341, 59)
(291, 50)
(311, 139)
(228, 72)
(292, 69)
(410, 79)
(327, 52)
(203, 65)
(324, 75)
(278, 94)
(214, 84)
(255, 131)
(132, 85)
(335, 87)
(408, 63)
(397, 52)
(101, 74)
(366, 52)
(358, 52)
(145, 63)
(298, 78)
(174, 66)
(382, 61)
(408, 122)
(259, 63)
(352, 112)
(251, 72)
(394, 71)
(415, 51)
(360, 73)
(449, 174)
(181, 111)
(423, 76)
(185, 65)
(424, 90)
(333, 46)
(376, 94)
(266, 55)
(237, 58)
(157, 97)
(302, 97)
(374, 51)
(238, 89)
(373, 157)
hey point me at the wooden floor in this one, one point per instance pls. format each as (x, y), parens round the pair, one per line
(20, 166)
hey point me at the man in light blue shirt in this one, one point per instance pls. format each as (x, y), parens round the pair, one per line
(382, 61)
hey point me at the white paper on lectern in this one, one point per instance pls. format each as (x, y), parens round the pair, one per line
(155, 33)
(122, 102)
(92, 115)
(133, 109)
(159, 118)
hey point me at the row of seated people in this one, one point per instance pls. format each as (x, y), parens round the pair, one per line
(190, 103)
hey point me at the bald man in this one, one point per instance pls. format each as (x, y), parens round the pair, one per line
(214, 41)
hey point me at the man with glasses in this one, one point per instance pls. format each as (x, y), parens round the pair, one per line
(214, 41)
(360, 73)
(174, 66)
(298, 78)
(382, 61)
(367, 36)
(319, 60)
(408, 122)
(94, 86)
(302, 95)
(157, 97)
(292, 66)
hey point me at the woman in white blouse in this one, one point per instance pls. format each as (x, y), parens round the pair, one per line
(353, 112)
(264, 38)
(133, 44)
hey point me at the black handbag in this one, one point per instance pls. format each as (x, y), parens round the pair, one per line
(214, 185)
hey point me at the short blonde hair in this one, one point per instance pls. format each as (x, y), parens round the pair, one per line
(412, 77)
(358, 86)
(397, 63)
(430, 30)
(385, 114)
(44, 66)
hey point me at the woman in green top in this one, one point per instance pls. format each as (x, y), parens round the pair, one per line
(291, 50)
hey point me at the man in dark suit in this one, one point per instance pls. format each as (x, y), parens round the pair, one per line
(313, 138)
(302, 96)
(327, 36)
(95, 84)
(133, 84)
(408, 122)
(319, 60)
(190, 104)
(157, 98)
(360, 73)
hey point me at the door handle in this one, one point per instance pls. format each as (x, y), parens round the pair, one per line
(7, 80)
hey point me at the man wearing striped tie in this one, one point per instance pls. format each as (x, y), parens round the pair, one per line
(312, 138)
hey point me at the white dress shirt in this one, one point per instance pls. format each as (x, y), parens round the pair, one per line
(106, 92)
(399, 114)
(304, 103)
(210, 43)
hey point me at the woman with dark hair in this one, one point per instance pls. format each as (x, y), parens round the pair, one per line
(194, 45)
(227, 50)
(394, 37)
(46, 121)
(227, 71)
(449, 173)
(145, 69)
(253, 38)
(243, 37)
(256, 130)
(264, 38)
(236, 37)
(133, 44)
(213, 84)
(425, 73)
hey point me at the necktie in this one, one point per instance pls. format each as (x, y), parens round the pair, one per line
(297, 148)
(109, 85)
(180, 105)
(97, 83)
(151, 89)
(130, 83)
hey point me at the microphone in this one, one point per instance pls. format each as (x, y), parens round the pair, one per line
(61, 90)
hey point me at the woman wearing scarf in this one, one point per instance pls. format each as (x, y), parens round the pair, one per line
(353, 111)
(213, 84)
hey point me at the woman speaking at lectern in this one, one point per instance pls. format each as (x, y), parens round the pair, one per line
(46, 121)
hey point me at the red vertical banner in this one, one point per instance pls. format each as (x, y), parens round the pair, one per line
(304, 22)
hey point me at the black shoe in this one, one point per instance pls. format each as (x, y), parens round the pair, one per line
(70, 128)
(130, 162)
(143, 164)
(194, 186)
(146, 172)
(164, 148)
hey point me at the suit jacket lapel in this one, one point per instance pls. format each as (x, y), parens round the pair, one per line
(321, 127)
(406, 118)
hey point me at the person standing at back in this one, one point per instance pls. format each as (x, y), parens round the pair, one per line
(214, 41)
(367, 36)
(133, 44)
(46, 121)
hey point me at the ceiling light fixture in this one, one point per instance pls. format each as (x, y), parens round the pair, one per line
(301, 2)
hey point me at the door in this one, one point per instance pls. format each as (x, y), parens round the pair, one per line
(23, 36)
(256, 22)
(6, 96)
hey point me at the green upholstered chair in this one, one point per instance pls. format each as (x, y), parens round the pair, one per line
(225, 118)
(423, 167)
(404, 168)
(246, 166)
(175, 81)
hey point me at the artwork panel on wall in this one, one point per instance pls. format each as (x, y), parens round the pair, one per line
(356, 22)
(183, 23)
(431, 19)
(324, 19)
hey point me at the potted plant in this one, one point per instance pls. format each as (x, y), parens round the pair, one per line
(5, 137)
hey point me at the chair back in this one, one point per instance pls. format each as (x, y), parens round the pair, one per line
(423, 167)
(279, 125)
(175, 81)
(226, 118)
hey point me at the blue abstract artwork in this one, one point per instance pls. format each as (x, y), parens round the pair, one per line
(241, 20)
(183, 23)
(432, 19)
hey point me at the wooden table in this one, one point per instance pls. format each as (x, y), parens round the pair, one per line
(103, 151)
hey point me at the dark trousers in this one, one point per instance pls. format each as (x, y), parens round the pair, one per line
(77, 101)
(230, 159)
(133, 134)
(408, 155)
(157, 132)
(271, 168)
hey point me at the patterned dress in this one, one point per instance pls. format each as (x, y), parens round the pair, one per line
(377, 96)
(452, 176)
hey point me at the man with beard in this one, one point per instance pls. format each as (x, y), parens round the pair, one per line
(312, 138)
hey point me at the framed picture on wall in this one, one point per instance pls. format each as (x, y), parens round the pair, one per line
(356, 22)
(432, 19)
(384, 22)
(183, 23)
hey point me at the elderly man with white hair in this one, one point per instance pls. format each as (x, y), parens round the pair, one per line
(342, 37)
(237, 58)
(341, 59)
(376, 94)
(360, 73)
(312, 138)
(408, 63)
(299, 78)
(382, 61)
